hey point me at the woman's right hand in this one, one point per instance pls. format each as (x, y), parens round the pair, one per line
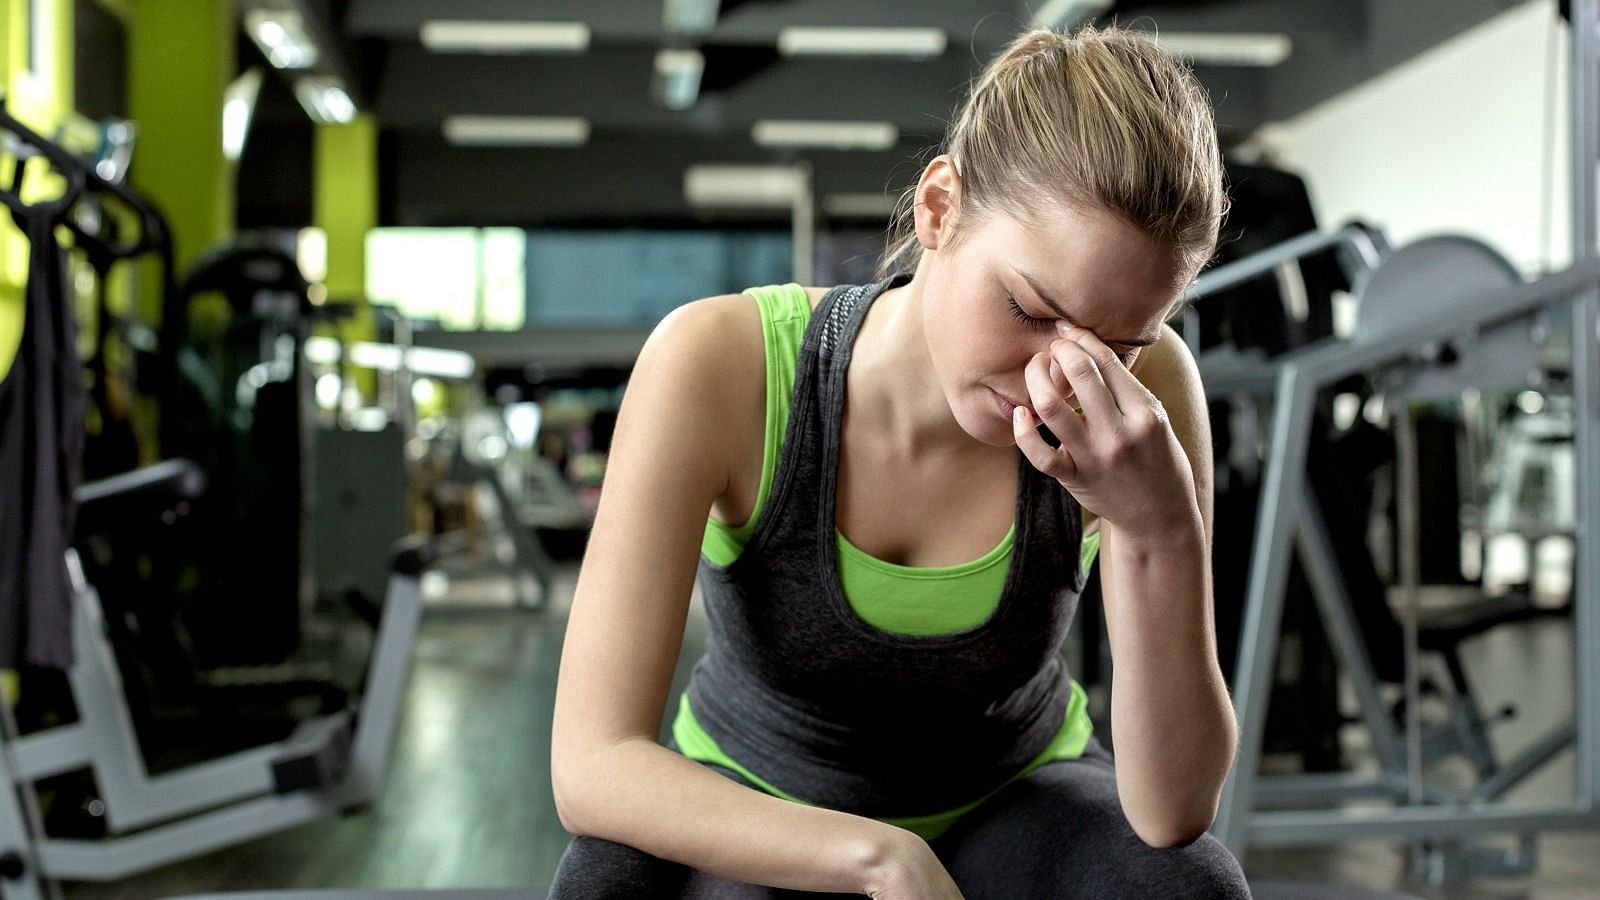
(911, 871)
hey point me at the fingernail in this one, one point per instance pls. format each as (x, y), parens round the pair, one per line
(1016, 416)
(1065, 329)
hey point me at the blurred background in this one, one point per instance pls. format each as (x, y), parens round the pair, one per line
(353, 289)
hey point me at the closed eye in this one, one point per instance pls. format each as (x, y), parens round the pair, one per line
(1031, 322)
(1034, 323)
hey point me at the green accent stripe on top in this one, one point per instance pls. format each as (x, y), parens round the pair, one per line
(1069, 742)
(785, 311)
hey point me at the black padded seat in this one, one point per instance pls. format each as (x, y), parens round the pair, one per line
(1442, 629)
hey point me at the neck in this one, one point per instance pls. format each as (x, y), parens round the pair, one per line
(893, 394)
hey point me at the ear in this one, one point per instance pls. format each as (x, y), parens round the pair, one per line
(936, 202)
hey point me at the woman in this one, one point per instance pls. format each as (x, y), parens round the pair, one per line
(882, 708)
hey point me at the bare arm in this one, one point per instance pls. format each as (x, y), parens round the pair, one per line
(1171, 719)
(611, 779)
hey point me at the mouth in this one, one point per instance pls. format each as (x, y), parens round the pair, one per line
(1005, 405)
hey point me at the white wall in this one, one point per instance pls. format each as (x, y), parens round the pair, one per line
(1456, 140)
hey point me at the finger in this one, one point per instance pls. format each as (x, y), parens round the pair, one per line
(1126, 390)
(1088, 387)
(1049, 404)
(1055, 462)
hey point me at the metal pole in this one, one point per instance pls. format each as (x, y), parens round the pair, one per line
(803, 221)
(1273, 544)
(1585, 14)
(1408, 516)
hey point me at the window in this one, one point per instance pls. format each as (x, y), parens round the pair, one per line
(462, 278)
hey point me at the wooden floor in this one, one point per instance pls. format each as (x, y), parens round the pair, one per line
(468, 802)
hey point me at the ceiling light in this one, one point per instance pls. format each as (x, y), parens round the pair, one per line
(1227, 49)
(677, 80)
(552, 131)
(915, 43)
(282, 37)
(1066, 14)
(325, 100)
(857, 206)
(505, 37)
(831, 135)
(716, 185)
(690, 16)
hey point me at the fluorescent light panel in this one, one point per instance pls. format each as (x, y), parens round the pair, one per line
(282, 37)
(915, 43)
(762, 187)
(452, 36)
(1227, 49)
(324, 99)
(862, 206)
(550, 131)
(830, 135)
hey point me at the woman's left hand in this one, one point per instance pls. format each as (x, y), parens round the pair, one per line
(1119, 457)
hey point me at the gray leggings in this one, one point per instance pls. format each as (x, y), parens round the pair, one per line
(1059, 832)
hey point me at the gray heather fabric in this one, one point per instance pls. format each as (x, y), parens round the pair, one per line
(1057, 833)
(828, 708)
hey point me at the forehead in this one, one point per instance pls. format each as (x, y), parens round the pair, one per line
(1108, 274)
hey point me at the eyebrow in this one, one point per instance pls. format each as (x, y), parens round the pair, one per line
(1058, 310)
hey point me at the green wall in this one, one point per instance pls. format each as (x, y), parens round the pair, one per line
(180, 60)
(39, 103)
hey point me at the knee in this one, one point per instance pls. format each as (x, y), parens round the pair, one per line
(1201, 870)
(597, 869)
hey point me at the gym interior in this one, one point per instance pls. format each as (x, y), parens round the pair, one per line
(316, 317)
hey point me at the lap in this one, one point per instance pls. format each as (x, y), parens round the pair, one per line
(1059, 832)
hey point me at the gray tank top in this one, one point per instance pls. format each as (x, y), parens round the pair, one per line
(822, 705)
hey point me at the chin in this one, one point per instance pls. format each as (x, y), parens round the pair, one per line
(986, 427)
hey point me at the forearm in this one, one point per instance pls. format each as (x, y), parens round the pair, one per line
(1171, 719)
(643, 795)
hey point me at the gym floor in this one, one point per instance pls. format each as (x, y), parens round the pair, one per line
(468, 801)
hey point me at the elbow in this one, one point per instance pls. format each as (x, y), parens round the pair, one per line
(1171, 834)
(564, 785)
(1175, 826)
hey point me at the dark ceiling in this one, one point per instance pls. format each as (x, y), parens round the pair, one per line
(631, 170)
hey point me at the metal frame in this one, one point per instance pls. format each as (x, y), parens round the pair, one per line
(1361, 247)
(1287, 516)
(203, 807)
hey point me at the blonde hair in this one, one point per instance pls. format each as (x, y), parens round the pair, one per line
(1099, 119)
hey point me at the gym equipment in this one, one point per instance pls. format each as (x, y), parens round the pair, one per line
(1482, 333)
(1349, 595)
(330, 764)
(527, 565)
(236, 406)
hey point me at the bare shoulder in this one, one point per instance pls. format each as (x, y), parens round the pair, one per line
(1167, 369)
(718, 339)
